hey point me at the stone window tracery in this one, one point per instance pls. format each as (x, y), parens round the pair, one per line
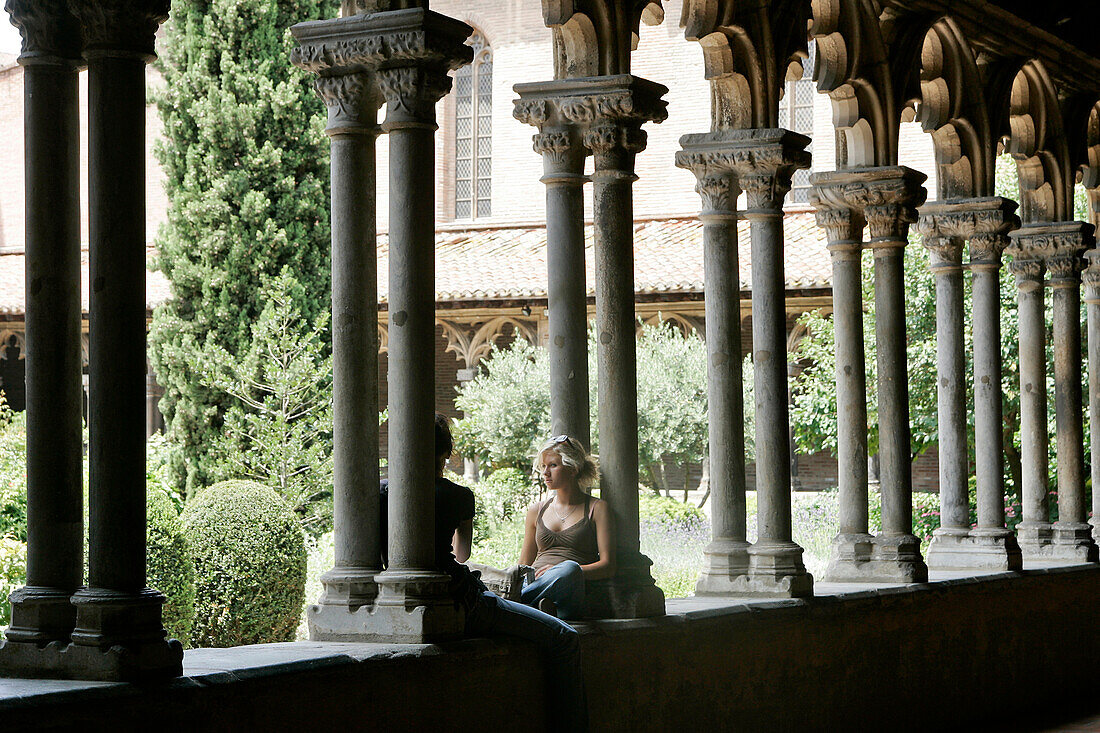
(796, 113)
(473, 152)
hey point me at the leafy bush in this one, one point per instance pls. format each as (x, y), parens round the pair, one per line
(13, 473)
(664, 510)
(170, 567)
(250, 565)
(13, 573)
(501, 497)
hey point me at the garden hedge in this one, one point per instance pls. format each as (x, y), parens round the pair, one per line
(170, 567)
(250, 565)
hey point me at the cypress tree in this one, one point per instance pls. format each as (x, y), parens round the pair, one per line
(246, 163)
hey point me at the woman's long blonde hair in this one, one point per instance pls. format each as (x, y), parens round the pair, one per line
(574, 455)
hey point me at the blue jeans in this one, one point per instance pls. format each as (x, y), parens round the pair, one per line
(563, 584)
(559, 643)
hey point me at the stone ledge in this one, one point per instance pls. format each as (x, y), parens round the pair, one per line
(717, 649)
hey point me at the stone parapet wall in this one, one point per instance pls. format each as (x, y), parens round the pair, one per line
(1006, 652)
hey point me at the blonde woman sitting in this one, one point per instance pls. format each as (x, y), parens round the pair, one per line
(568, 538)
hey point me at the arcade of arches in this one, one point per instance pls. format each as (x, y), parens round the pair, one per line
(978, 78)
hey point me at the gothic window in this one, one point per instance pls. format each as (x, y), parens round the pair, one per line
(796, 113)
(473, 155)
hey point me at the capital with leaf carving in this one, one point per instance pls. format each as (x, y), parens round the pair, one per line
(985, 222)
(842, 223)
(408, 52)
(120, 28)
(1091, 277)
(51, 34)
(716, 182)
(605, 113)
(1065, 245)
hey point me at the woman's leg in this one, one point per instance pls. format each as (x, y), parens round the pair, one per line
(559, 642)
(563, 584)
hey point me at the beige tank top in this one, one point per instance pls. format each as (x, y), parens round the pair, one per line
(576, 542)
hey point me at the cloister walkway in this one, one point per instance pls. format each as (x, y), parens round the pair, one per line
(1007, 651)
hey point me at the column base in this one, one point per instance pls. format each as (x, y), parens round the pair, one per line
(349, 586)
(1073, 541)
(723, 562)
(40, 615)
(978, 549)
(412, 607)
(1035, 540)
(631, 593)
(775, 570)
(119, 637)
(896, 558)
(850, 560)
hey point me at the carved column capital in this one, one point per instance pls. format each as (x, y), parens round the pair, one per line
(605, 114)
(763, 162)
(887, 197)
(1091, 276)
(985, 222)
(120, 27)
(48, 29)
(409, 52)
(412, 92)
(352, 101)
(1059, 246)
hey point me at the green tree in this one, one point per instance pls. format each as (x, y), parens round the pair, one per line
(672, 401)
(278, 432)
(507, 405)
(245, 162)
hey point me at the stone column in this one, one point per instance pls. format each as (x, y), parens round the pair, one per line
(1072, 533)
(888, 198)
(726, 557)
(954, 470)
(41, 610)
(851, 550)
(352, 99)
(409, 53)
(563, 155)
(618, 106)
(994, 542)
(1028, 250)
(118, 632)
(1091, 278)
(985, 222)
(765, 160)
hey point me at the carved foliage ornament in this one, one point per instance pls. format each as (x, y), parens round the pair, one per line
(120, 25)
(412, 92)
(375, 49)
(47, 27)
(612, 138)
(352, 100)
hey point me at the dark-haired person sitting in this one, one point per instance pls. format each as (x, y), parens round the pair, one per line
(486, 613)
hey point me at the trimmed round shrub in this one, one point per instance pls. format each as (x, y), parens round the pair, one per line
(250, 565)
(668, 511)
(169, 565)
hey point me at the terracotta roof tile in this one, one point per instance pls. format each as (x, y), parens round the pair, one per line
(510, 263)
(485, 264)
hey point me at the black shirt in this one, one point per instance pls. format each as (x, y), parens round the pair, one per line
(454, 504)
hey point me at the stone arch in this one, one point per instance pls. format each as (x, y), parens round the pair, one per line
(852, 69)
(595, 37)
(747, 51)
(471, 343)
(1090, 161)
(685, 324)
(1036, 139)
(953, 109)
